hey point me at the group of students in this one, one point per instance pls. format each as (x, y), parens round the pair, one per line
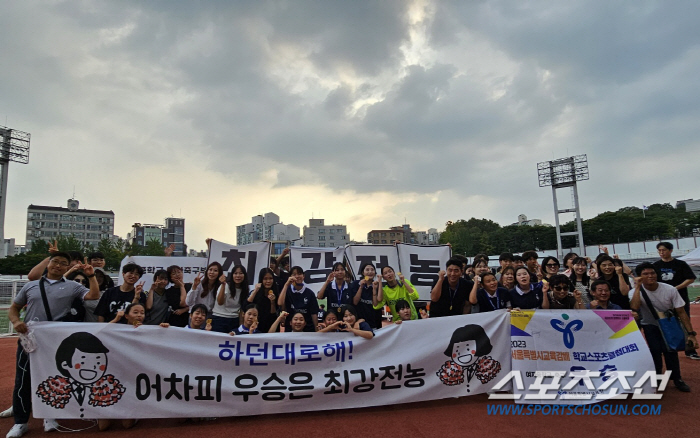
(231, 304)
(604, 284)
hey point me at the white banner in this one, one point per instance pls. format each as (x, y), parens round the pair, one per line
(252, 257)
(551, 343)
(378, 255)
(421, 264)
(191, 266)
(317, 263)
(82, 370)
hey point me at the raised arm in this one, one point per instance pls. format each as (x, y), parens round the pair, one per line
(38, 270)
(322, 293)
(436, 293)
(283, 294)
(377, 291)
(183, 293)
(138, 290)
(191, 298)
(221, 296)
(410, 290)
(149, 298)
(636, 300)
(624, 287)
(545, 295)
(281, 256)
(252, 295)
(273, 327)
(94, 293)
(358, 295)
(473, 299)
(579, 302)
(273, 302)
(120, 315)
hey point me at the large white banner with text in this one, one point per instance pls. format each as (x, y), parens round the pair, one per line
(547, 345)
(191, 266)
(253, 257)
(378, 255)
(82, 370)
(317, 263)
(421, 265)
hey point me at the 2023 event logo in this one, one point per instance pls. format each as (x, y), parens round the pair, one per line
(567, 330)
(81, 359)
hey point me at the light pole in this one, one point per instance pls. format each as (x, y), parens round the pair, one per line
(559, 174)
(14, 146)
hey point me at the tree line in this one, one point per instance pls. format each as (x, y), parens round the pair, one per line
(628, 224)
(113, 250)
(467, 237)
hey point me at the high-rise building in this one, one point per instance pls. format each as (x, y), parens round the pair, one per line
(174, 233)
(401, 233)
(319, 235)
(265, 227)
(141, 234)
(9, 247)
(690, 204)
(88, 226)
(430, 237)
(378, 237)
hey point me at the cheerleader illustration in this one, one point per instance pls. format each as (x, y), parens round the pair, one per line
(82, 361)
(467, 352)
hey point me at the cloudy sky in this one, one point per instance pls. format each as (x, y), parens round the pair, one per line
(362, 113)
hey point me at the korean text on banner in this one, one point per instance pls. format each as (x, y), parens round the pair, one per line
(549, 344)
(317, 263)
(252, 257)
(191, 266)
(378, 255)
(421, 265)
(206, 374)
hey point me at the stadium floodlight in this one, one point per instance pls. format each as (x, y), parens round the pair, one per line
(14, 146)
(563, 173)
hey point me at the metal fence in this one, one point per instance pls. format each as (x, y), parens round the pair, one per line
(8, 290)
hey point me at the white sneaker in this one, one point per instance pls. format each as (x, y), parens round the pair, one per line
(17, 430)
(9, 412)
(50, 425)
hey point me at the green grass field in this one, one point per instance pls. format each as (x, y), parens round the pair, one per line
(4, 322)
(693, 292)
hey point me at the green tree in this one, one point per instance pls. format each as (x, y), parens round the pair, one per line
(20, 264)
(153, 248)
(39, 247)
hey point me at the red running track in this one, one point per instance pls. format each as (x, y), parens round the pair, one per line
(460, 417)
